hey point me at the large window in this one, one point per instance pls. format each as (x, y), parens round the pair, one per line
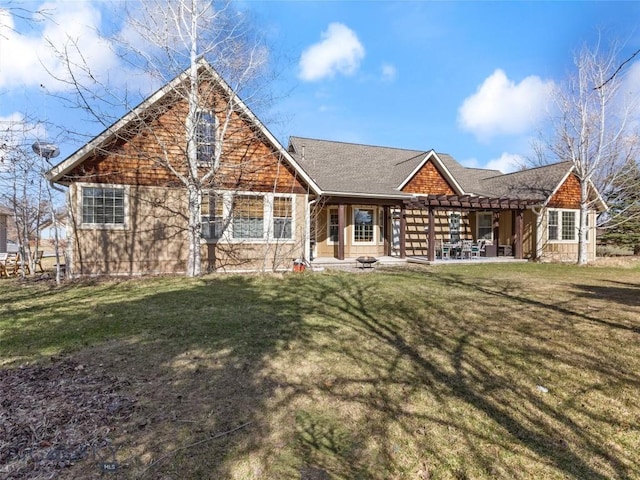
(102, 206)
(562, 225)
(248, 217)
(206, 137)
(485, 226)
(363, 219)
(212, 216)
(282, 217)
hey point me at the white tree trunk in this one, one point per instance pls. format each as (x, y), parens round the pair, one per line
(583, 227)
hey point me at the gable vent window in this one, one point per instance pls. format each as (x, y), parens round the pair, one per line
(206, 127)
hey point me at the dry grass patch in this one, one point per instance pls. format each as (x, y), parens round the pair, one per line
(483, 371)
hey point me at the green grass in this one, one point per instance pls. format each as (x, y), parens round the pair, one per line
(421, 373)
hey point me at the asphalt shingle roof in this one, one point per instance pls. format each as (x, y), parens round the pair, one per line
(351, 168)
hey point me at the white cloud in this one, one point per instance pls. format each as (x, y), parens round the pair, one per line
(389, 72)
(339, 51)
(501, 106)
(506, 163)
(26, 57)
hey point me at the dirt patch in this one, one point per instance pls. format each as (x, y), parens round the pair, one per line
(52, 416)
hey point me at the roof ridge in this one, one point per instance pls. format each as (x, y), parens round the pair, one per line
(530, 169)
(359, 144)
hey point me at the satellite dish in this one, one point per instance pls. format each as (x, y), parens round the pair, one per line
(46, 150)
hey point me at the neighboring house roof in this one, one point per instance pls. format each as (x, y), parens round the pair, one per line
(347, 168)
(85, 152)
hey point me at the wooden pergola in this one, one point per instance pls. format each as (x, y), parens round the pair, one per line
(431, 203)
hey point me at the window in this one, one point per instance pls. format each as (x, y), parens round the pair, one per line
(562, 225)
(568, 225)
(206, 124)
(363, 224)
(454, 227)
(485, 226)
(381, 225)
(552, 225)
(282, 217)
(212, 216)
(102, 206)
(333, 225)
(248, 217)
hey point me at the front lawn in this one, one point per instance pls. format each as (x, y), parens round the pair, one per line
(484, 371)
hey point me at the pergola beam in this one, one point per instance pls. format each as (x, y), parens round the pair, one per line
(469, 202)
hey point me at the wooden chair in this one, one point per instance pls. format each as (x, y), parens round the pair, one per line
(3, 264)
(14, 264)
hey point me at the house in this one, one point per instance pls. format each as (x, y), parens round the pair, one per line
(267, 204)
(386, 201)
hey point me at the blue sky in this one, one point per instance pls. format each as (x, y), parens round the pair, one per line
(470, 79)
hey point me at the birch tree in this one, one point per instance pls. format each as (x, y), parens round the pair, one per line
(166, 39)
(592, 128)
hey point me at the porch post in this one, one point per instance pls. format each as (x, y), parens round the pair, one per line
(386, 230)
(496, 231)
(431, 255)
(341, 227)
(519, 234)
(403, 231)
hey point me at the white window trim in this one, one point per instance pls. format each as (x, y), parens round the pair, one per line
(102, 226)
(353, 224)
(267, 224)
(576, 213)
(268, 204)
(478, 215)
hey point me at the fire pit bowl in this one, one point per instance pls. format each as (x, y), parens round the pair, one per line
(366, 262)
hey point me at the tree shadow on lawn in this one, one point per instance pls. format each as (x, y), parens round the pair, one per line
(194, 355)
(478, 379)
(623, 293)
(343, 376)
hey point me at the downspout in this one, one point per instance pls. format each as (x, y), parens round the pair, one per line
(55, 233)
(307, 242)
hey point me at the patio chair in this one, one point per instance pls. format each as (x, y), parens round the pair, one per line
(438, 248)
(446, 251)
(465, 252)
(475, 251)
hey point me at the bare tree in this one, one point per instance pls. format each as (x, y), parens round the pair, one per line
(177, 40)
(592, 128)
(24, 190)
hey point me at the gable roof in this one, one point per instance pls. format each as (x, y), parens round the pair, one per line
(350, 169)
(86, 151)
(354, 169)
